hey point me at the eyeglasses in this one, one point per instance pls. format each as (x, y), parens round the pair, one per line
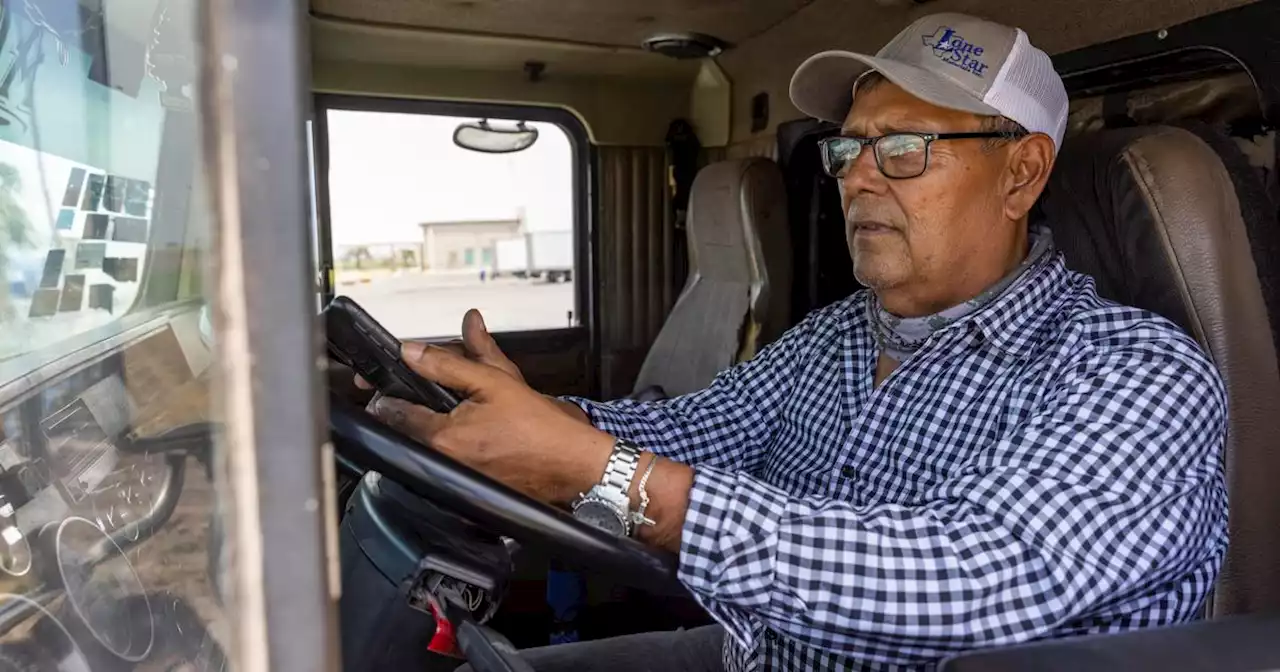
(899, 156)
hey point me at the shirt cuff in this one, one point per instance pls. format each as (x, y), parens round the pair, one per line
(728, 548)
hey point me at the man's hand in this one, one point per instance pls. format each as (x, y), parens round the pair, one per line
(477, 344)
(504, 428)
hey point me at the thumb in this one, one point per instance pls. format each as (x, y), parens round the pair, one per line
(476, 336)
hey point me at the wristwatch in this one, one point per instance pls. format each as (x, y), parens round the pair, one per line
(607, 505)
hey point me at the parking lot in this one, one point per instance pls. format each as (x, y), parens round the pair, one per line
(425, 305)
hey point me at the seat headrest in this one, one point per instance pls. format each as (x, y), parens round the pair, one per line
(725, 198)
(1152, 215)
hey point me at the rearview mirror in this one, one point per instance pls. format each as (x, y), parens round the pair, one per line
(485, 137)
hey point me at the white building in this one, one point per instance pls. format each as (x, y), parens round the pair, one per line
(458, 245)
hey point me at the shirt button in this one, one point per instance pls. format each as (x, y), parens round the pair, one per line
(770, 636)
(849, 473)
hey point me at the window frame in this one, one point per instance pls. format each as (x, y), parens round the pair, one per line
(582, 158)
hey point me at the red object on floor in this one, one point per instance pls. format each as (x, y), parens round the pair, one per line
(443, 642)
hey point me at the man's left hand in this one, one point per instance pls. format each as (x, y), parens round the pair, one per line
(503, 429)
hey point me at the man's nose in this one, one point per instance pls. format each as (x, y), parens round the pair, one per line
(864, 175)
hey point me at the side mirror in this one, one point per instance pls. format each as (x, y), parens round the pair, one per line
(485, 137)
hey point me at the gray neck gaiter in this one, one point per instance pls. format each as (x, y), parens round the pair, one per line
(899, 337)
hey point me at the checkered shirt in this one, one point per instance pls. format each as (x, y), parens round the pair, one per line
(1049, 466)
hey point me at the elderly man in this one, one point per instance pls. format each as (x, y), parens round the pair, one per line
(977, 451)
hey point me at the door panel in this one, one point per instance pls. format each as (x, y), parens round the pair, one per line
(637, 264)
(553, 362)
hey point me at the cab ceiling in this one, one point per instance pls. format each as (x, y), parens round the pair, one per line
(606, 22)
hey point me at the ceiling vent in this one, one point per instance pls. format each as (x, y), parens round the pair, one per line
(685, 45)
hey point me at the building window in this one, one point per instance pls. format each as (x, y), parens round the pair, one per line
(397, 182)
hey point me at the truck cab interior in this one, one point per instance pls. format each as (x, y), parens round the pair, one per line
(625, 190)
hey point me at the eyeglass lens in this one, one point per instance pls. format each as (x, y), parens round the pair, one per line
(899, 155)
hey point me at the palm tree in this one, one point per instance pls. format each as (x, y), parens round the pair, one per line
(361, 254)
(15, 230)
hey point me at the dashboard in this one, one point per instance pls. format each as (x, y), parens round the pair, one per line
(110, 548)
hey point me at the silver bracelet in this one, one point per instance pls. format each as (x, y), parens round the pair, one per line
(638, 516)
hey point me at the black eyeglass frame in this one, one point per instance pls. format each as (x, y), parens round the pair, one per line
(824, 147)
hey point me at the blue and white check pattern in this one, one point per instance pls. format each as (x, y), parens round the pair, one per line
(1051, 465)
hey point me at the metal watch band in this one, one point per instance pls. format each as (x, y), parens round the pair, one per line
(622, 466)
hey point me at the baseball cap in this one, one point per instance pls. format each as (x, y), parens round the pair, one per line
(951, 60)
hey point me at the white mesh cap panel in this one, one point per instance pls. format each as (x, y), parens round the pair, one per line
(1030, 92)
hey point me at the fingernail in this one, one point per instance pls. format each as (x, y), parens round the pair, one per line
(412, 350)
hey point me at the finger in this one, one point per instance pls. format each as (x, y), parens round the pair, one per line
(407, 418)
(477, 337)
(456, 346)
(362, 383)
(472, 379)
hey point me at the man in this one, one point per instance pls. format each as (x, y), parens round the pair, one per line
(976, 452)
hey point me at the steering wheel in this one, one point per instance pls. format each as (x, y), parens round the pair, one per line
(492, 506)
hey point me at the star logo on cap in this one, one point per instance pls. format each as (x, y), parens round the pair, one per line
(956, 51)
(940, 40)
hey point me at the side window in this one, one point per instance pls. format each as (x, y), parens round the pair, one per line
(424, 229)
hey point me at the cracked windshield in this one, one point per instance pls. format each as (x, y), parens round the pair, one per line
(428, 220)
(111, 551)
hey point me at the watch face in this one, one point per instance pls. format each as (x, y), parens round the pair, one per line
(601, 516)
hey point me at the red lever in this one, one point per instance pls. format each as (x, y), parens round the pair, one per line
(443, 642)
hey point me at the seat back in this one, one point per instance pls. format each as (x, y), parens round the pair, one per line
(1152, 214)
(738, 293)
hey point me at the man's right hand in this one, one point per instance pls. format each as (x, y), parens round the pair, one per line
(478, 344)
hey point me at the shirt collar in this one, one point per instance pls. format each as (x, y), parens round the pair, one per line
(1015, 323)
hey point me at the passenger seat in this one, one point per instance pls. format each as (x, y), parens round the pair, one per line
(738, 295)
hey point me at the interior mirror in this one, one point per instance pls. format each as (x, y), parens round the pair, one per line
(485, 137)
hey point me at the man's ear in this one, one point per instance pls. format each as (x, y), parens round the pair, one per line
(1030, 163)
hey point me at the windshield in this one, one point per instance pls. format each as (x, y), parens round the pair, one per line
(81, 125)
(111, 551)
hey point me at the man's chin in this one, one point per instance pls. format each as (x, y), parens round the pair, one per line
(876, 281)
(876, 272)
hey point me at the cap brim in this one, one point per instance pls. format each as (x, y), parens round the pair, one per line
(823, 85)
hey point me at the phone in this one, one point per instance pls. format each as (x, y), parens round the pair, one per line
(72, 195)
(360, 342)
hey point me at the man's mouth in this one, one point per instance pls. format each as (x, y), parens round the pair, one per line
(870, 226)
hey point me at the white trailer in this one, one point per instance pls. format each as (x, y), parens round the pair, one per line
(537, 254)
(551, 255)
(512, 257)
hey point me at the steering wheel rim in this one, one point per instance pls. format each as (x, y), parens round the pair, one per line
(492, 506)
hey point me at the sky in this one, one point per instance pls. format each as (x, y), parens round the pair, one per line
(390, 172)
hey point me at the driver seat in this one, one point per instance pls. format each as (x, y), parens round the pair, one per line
(1152, 215)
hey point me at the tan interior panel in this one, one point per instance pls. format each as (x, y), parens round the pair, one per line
(354, 41)
(625, 96)
(595, 21)
(616, 112)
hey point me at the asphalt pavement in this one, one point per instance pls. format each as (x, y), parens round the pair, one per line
(422, 305)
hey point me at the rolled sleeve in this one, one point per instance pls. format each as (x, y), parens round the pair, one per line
(726, 557)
